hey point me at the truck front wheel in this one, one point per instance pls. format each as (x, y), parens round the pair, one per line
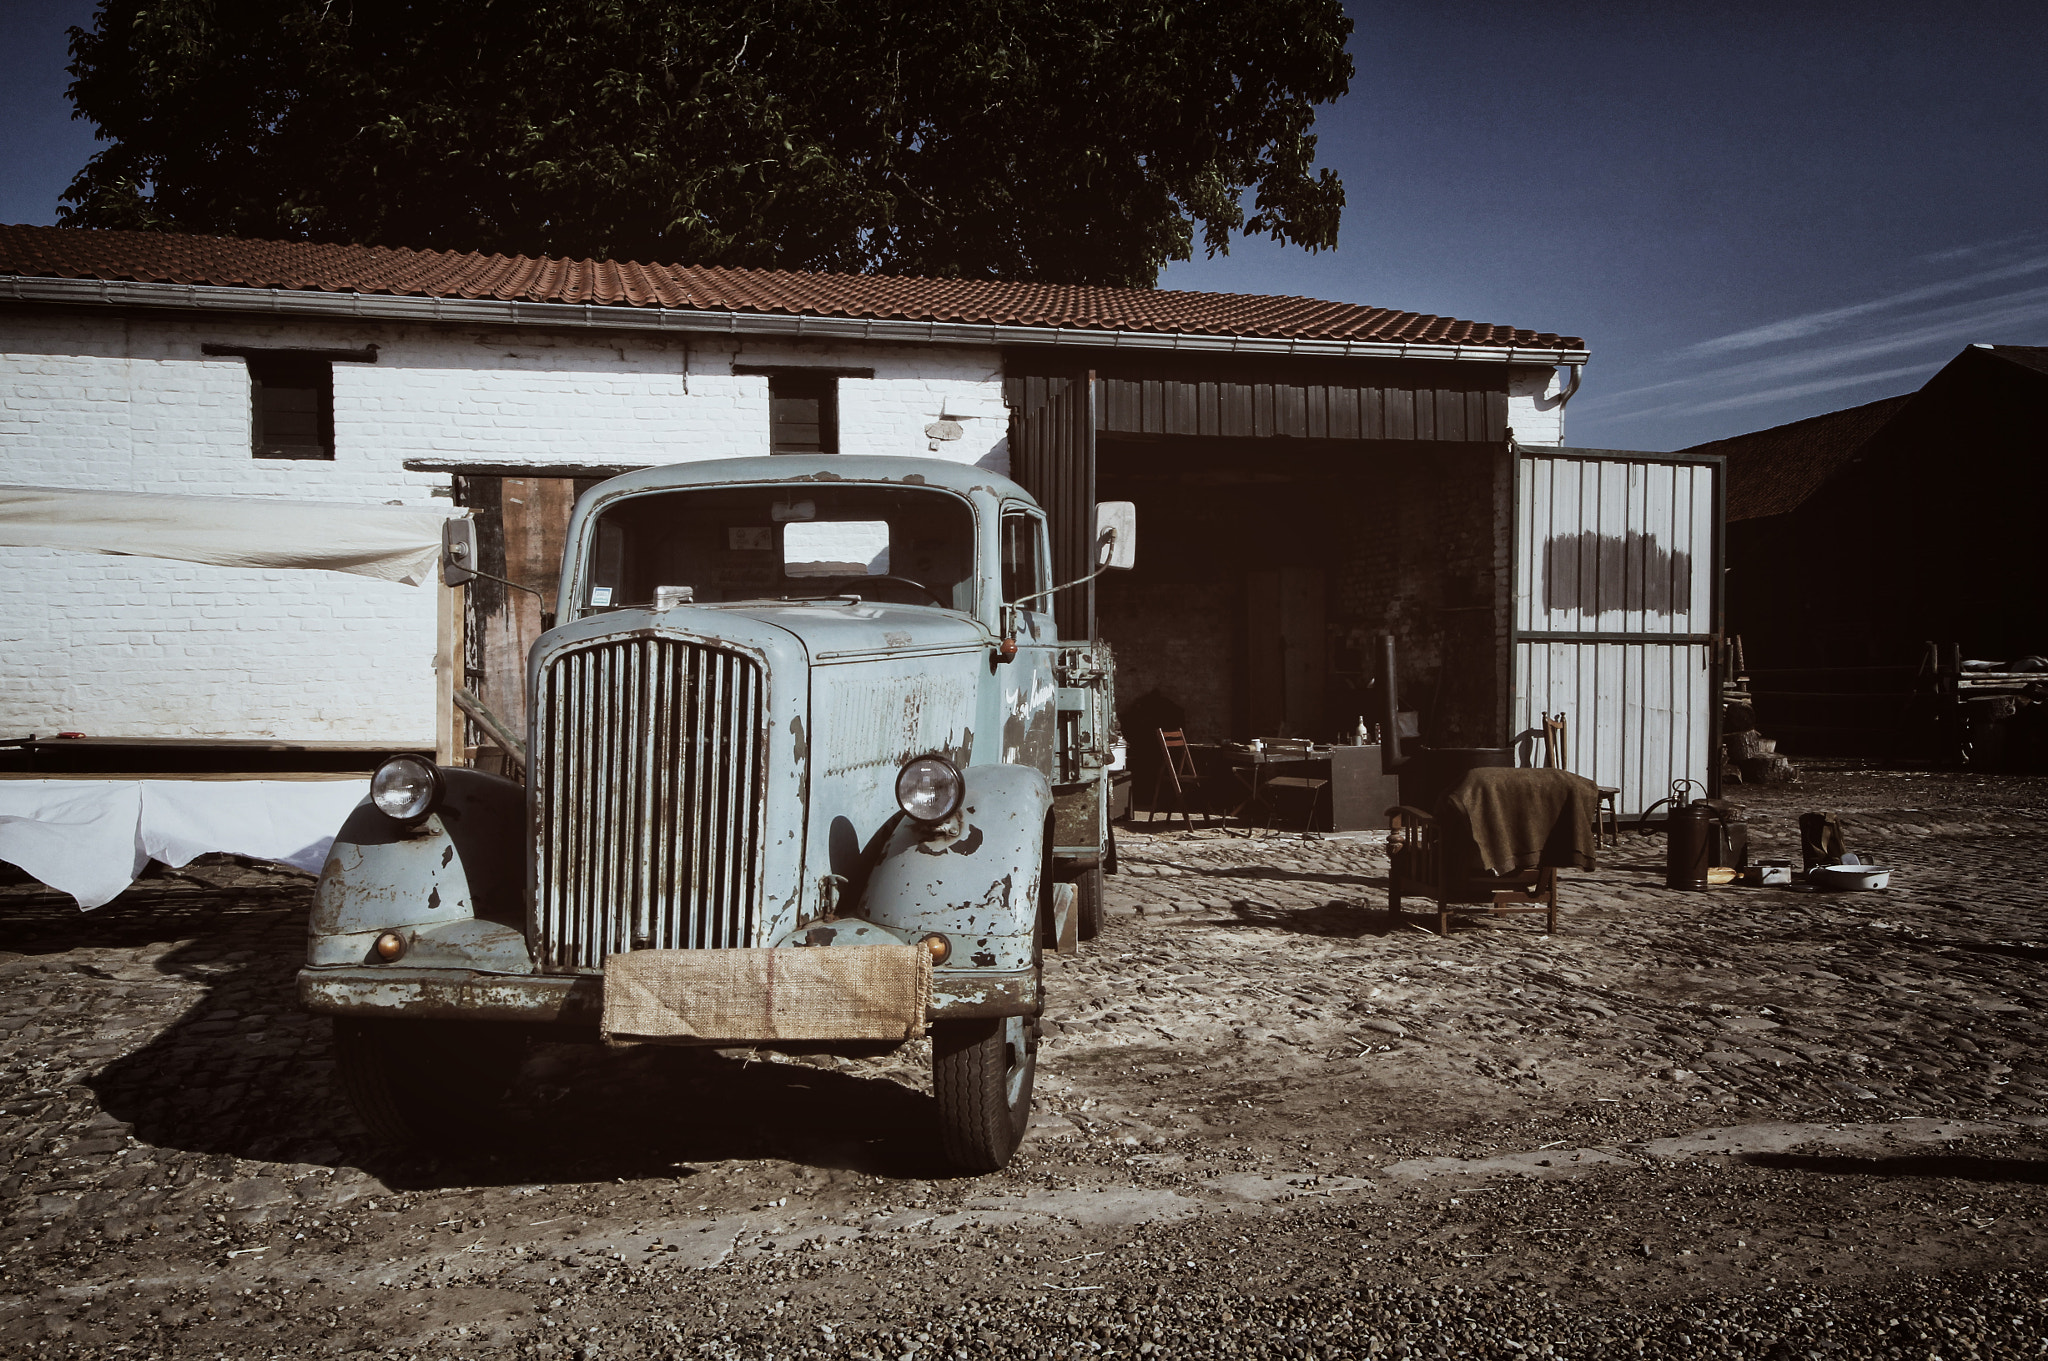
(414, 1082)
(981, 1075)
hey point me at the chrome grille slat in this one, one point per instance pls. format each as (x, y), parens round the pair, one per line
(647, 772)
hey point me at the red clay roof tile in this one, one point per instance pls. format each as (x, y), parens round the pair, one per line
(157, 257)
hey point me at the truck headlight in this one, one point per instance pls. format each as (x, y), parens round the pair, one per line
(405, 788)
(928, 788)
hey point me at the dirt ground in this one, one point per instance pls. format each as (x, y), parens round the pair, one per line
(1272, 1120)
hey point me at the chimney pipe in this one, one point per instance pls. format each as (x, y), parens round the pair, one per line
(1391, 756)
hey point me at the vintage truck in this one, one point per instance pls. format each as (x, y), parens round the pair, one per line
(806, 767)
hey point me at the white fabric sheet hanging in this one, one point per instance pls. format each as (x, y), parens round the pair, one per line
(90, 838)
(391, 543)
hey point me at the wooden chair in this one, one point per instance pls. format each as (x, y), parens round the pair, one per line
(1556, 743)
(1425, 862)
(1179, 767)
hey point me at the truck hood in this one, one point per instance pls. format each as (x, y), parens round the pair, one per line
(830, 630)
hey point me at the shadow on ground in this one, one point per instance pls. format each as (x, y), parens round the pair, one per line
(244, 1073)
(1338, 919)
(1961, 1168)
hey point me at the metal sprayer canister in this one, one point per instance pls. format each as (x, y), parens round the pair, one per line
(1687, 831)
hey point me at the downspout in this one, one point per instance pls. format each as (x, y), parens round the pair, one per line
(1578, 371)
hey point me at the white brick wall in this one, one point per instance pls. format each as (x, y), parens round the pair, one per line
(135, 647)
(1533, 411)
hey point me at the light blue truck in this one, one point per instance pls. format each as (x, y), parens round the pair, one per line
(806, 767)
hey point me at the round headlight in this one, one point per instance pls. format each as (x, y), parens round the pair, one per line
(928, 788)
(405, 788)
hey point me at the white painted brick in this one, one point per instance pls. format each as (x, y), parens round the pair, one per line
(138, 647)
(1533, 410)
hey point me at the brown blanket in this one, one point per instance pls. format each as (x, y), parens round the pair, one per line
(1523, 818)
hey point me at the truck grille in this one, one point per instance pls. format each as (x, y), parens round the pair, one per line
(647, 777)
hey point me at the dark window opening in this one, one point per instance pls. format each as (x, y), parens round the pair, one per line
(291, 406)
(291, 397)
(803, 412)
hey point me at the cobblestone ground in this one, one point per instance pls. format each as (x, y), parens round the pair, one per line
(1272, 1119)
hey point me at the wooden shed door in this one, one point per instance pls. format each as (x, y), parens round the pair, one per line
(1052, 455)
(522, 523)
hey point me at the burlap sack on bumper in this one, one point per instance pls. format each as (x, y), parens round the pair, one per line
(854, 992)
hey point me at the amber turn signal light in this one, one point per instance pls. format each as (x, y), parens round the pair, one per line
(390, 946)
(1006, 649)
(941, 949)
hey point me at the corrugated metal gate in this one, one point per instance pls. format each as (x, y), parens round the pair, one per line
(1618, 614)
(1052, 455)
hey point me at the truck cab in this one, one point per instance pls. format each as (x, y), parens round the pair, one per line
(807, 766)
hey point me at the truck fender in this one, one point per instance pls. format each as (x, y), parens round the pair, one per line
(976, 878)
(452, 884)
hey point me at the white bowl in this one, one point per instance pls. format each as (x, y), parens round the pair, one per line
(1851, 876)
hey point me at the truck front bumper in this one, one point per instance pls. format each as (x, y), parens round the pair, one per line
(578, 1000)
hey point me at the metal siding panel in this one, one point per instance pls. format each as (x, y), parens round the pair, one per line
(1372, 413)
(1705, 564)
(1318, 401)
(1654, 531)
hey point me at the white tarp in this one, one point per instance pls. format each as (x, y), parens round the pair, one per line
(90, 838)
(392, 543)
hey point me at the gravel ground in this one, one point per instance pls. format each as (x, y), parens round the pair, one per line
(1272, 1121)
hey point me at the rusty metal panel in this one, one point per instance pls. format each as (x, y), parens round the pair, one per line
(648, 769)
(1616, 614)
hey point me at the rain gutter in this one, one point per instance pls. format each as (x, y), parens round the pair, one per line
(297, 302)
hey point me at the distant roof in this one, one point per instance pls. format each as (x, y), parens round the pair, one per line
(1772, 472)
(160, 257)
(2027, 356)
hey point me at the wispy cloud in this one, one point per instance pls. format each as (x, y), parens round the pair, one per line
(1753, 382)
(1813, 323)
(1950, 256)
(1765, 396)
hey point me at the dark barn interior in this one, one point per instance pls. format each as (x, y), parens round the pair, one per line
(1288, 512)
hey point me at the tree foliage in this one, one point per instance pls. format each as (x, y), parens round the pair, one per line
(1069, 141)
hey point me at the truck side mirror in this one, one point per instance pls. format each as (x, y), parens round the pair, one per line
(458, 550)
(1116, 535)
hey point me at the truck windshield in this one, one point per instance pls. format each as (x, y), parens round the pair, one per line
(907, 545)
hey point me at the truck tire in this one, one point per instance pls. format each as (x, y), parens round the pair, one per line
(419, 1082)
(982, 1072)
(1088, 904)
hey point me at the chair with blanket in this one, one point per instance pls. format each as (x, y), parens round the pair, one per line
(1494, 843)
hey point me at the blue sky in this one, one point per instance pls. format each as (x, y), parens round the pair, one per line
(1752, 212)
